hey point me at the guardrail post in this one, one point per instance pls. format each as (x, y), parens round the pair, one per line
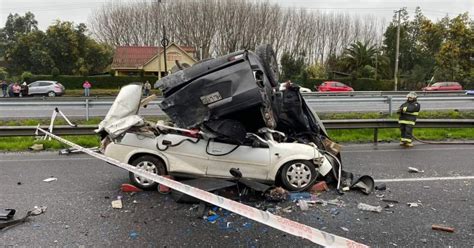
(87, 109)
(390, 110)
(376, 136)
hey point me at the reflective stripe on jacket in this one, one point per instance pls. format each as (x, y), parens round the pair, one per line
(408, 112)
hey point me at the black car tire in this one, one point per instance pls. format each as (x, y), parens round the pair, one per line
(153, 164)
(270, 64)
(298, 170)
(51, 94)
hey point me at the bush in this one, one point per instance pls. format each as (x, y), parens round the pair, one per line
(55, 72)
(98, 82)
(26, 76)
(3, 73)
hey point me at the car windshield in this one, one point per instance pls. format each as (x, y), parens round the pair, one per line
(437, 84)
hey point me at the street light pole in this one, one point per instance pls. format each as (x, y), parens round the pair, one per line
(397, 51)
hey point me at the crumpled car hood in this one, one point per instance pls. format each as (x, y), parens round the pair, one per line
(126, 103)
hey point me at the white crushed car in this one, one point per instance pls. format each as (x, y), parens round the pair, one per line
(225, 113)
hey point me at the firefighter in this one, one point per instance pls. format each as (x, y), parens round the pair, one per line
(408, 112)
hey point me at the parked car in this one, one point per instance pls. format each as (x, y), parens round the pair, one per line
(333, 86)
(442, 86)
(302, 89)
(49, 88)
(225, 113)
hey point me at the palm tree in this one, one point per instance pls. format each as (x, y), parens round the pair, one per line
(358, 55)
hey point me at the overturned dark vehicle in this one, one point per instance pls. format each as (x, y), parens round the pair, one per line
(226, 113)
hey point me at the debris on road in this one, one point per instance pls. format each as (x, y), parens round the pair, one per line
(7, 213)
(319, 187)
(18, 183)
(133, 235)
(36, 211)
(413, 204)
(370, 208)
(415, 170)
(299, 196)
(303, 205)
(126, 187)
(36, 147)
(442, 228)
(50, 179)
(117, 203)
(345, 229)
(277, 194)
(390, 201)
(381, 187)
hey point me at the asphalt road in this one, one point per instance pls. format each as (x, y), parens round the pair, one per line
(154, 110)
(79, 205)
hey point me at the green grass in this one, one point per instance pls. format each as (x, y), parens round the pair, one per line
(448, 114)
(390, 135)
(58, 121)
(23, 143)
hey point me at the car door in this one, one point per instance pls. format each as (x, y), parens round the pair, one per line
(33, 88)
(44, 87)
(253, 162)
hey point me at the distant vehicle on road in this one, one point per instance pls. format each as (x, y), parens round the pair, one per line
(49, 88)
(333, 86)
(443, 86)
(469, 92)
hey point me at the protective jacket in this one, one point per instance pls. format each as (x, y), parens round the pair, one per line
(408, 112)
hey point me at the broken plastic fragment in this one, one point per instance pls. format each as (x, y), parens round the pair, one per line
(414, 170)
(370, 208)
(117, 204)
(303, 205)
(50, 179)
(413, 204)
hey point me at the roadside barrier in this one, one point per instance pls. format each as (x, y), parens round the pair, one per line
(286, 225)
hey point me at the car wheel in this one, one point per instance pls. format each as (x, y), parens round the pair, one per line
(297, 175)
(270, 64)
(51, 94)
(150, 164)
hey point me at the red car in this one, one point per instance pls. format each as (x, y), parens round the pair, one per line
(443, 86)
(333, 86)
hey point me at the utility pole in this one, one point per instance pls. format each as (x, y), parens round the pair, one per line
(397, 50)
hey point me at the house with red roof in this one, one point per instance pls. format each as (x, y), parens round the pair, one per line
(150, 60)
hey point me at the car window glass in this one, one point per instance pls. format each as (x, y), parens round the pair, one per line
(34, 84)
(44, 84)
(437, 84)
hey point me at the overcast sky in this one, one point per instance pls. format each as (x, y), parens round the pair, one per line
(46, 11)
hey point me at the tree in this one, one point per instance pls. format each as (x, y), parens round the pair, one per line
(359, 58)
(291, 67)
(16, 26)
(64, 46)
(454, 58)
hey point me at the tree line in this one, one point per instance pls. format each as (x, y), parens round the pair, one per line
(224, 26)
(64, 48)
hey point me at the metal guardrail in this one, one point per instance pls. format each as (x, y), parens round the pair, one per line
(88, 103)
(376, 124)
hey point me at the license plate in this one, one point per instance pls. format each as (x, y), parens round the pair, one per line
(211, 98)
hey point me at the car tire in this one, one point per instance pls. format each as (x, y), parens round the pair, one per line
(298, 175)
(150, 164)
(269, 61)
(51, 94)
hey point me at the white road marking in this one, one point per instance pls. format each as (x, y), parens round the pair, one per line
(411, 150)
(423, 179)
